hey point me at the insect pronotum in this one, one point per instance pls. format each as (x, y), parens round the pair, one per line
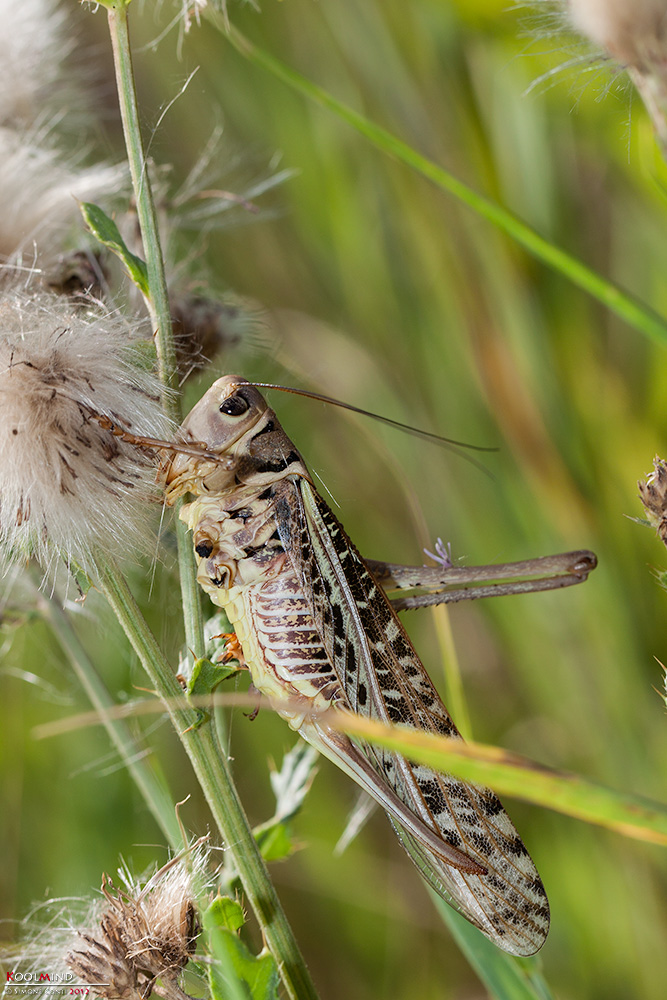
(317, 632)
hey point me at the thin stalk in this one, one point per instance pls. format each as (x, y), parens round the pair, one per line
(152, 787)
(455, 698)
(214, 776)
(630, 309)
(201, 744)
(158, 303)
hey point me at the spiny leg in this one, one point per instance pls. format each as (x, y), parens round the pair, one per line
(470, 582)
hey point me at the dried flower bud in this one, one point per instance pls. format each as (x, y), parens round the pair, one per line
(653, 494)
(170, 918)
(67, 484)
(103, 960)
(205, 327)
(143, 935)
(77, 274)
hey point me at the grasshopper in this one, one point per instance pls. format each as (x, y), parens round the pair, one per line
(317, 632)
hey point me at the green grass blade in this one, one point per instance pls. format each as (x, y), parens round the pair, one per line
(625, 305)
(511, 774)
(506, 978)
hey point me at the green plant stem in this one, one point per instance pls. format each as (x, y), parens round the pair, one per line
(201, 744)
(625, 305)
(158, 303)
(213, 774)
(151, 785)
(455, 697)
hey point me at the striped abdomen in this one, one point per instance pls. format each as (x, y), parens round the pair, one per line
(244, 569)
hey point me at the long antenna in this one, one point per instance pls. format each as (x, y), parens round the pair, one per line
(453, 444)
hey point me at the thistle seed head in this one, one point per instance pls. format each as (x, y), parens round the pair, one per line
(68, 485)
(142, 936)
(633, 32)
(33, 43)
(39, 189)
(191, 12)
(102, 959)
(653, 495)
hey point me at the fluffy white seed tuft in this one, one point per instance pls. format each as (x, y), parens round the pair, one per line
(68, 486)
(39, 194)
(633, 32)
(33, 43)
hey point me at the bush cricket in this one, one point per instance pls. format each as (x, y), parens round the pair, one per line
(316, 630)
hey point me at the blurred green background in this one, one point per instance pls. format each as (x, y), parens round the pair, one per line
(381, 290)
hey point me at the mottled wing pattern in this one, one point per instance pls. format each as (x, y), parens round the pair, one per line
(383, 679)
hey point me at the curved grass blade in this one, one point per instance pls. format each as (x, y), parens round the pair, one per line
(619, 301)
(505, 978)
(511, 774)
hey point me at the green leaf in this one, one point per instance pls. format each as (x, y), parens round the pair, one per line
(207, 672)
(274, 841)
(290, 785)
(107, 232)
(228, 913)
(236, 973)
(206, 676)
(81, 578)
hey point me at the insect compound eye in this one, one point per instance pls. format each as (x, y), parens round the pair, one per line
(235, 405)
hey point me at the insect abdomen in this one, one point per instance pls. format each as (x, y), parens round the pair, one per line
(289, 663)
(266, 605)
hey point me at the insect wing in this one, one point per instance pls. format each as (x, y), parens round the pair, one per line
(383, 679)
